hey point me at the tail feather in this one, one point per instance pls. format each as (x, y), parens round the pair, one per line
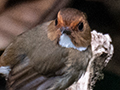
(29, 79)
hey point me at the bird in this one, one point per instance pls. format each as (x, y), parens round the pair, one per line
(50, 56)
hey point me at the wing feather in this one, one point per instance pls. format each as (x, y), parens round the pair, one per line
(34, 66)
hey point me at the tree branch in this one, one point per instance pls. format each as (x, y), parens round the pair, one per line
(102, 53)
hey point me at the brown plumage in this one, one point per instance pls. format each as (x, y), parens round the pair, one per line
(38, 62)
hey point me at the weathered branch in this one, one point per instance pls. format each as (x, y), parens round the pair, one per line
(102, 52)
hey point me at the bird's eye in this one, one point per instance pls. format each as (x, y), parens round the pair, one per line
(80, 26)
(56, 22)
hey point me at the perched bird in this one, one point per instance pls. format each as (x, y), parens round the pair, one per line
(51, 56)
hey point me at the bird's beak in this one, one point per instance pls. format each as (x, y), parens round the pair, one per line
(65, 31)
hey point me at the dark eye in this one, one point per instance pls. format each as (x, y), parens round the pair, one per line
(56, 22)
(80, 26)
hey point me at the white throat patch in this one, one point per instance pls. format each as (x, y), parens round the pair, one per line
(65, 41)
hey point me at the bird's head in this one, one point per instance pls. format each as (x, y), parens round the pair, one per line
(72, 28)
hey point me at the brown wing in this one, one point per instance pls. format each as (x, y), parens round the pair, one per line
(34, 60)
(31, 75)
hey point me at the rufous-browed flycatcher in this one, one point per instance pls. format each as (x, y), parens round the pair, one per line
(51, 56)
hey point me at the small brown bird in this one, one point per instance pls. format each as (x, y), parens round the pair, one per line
(51, 56)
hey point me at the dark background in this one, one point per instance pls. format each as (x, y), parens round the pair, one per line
(103, 16)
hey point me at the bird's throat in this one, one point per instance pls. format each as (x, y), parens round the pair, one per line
(65, 41)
